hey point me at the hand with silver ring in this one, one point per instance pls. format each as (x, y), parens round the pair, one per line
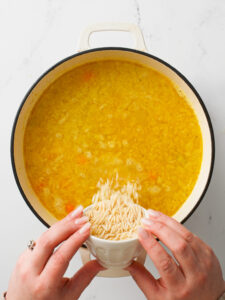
(31, 245)
(39, 272)
(194, 275)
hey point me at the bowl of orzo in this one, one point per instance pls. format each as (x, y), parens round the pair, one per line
(112, 112)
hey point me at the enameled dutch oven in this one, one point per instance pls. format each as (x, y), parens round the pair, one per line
(140, 56)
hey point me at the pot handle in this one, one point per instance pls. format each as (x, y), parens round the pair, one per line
(132, 28)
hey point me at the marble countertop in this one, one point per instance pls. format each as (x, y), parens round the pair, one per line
(34, 35)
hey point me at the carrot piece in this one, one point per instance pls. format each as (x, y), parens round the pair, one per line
(152, 176)
(81, 159)
(69, 207)
(40, 185)
(87, 76)
(37, 188)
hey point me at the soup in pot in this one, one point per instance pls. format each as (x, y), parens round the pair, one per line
(107, 119)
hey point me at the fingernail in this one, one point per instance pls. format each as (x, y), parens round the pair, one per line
(85, 228)
(147, 222)
(153, 213)
(77, 211)
(143, 233)
(81, 220)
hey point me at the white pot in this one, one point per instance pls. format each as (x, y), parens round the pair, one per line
(140, 56)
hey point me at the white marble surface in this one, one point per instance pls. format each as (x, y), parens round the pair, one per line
(34, 35)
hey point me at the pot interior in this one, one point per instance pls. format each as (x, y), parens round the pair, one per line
(97, 55)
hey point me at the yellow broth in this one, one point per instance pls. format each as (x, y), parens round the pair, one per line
(107, 118)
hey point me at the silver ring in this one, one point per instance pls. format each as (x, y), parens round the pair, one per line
(31, 245)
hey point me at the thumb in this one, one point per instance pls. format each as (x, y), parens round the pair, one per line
(83, 277)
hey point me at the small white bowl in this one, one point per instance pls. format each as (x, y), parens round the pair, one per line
(113, 254)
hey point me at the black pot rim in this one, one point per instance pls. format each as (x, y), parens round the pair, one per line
(105, 49)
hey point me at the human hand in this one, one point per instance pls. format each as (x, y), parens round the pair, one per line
(197, 276)
(39, 273)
